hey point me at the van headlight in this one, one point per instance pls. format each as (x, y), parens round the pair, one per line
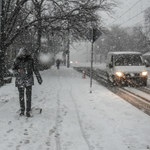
(144, 73)
(119, 74)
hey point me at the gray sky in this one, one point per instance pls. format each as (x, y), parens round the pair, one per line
(129, 12)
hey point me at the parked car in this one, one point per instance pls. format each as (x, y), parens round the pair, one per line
(146, 58)
(8, 76)
(126, 68)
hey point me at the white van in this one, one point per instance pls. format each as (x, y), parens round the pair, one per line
(126, 68)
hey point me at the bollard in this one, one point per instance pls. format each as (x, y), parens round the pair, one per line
(83, 75)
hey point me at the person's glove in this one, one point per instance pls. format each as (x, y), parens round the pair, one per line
(20, 70)
(15, 73)
(40, 81)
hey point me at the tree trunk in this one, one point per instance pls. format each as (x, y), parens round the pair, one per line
(2, 64)
(68, 49)
(2, 48)
(2, 60)
(39, 35)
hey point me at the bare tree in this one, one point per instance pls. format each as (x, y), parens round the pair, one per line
(16, 18)
(69, 16)
(123, 39)
(139, 40)
(38, 8)
(147, 24)
(9, 14)
(76, 17)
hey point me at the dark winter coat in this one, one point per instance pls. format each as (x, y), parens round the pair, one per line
(57, 62)
(23, 69)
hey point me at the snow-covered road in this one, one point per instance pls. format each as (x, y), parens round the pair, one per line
(72, 118)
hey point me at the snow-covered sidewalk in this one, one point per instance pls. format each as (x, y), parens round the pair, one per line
(72, 118)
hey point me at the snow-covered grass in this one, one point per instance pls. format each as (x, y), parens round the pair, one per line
(72, 118)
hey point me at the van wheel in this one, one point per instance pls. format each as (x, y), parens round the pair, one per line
(113, 82)
(144, 83)
(107, 77)
(108, 80)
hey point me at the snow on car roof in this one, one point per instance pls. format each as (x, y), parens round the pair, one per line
(124, 52)
(148, 53)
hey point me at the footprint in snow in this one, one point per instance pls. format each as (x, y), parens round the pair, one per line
(31, 125)
(52, 131)
(18, 147)
(26, 141)
(48, 142)
(10, 130)
(9, 122)
(26, 132)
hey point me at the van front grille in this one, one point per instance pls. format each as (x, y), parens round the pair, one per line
(129, 75)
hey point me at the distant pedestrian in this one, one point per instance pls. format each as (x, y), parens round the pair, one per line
(23, 67)
(57, 63)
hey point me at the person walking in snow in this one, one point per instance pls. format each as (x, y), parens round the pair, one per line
(57, 63)
(23, 67)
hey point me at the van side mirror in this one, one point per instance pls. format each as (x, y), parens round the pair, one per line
(110, 66)
(147, 64)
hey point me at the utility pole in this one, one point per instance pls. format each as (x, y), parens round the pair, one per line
(94, 35)
(91, 69)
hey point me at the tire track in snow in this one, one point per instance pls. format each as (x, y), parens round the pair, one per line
(79, 118)
(3, 101)
(79, 121)
(57, 123)
(54, 132)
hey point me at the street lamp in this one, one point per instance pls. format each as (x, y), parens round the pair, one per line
(95, 34)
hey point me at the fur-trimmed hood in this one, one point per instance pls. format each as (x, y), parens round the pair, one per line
(23, 52)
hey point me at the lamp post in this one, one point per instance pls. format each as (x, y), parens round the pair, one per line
(95, 34)
(91, 69)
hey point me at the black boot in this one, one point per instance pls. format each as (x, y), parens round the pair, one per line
(21, 113)
(28, 114)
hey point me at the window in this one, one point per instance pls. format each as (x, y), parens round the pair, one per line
(128, 60)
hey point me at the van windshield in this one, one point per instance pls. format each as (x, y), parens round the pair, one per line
(128, 60)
